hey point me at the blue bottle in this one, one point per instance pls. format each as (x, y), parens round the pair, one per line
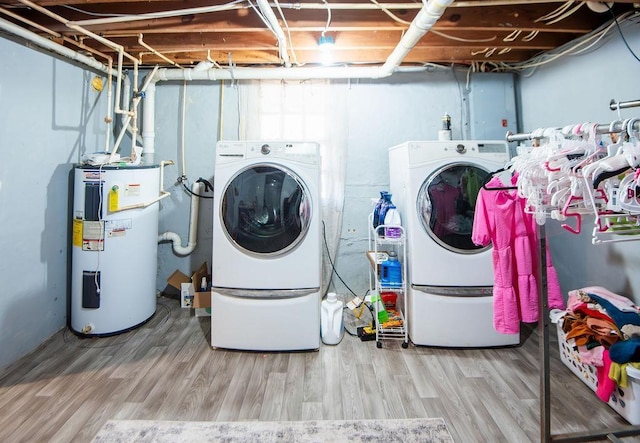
(391, 271)
(376, 211)
(386, 204)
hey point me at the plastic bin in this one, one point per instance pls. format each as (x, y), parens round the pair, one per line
(625, 401)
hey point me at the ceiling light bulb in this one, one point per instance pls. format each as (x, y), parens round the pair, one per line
(326, 44)
(326, 41)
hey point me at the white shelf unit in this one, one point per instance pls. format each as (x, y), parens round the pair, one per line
(379, 244)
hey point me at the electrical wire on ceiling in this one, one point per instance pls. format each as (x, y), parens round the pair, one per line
(326, 27)
(212, 61)
(566, 14)
(112, 17)
(576, 47)
(620, 32)
(555, 13)
(432, 31)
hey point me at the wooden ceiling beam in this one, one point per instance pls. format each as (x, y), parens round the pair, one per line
(470, 19)
(463, 34)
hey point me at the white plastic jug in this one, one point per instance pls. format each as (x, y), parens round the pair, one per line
(331, 322)
(392, 222)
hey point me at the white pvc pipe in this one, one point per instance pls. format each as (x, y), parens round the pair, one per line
(421, 24)
(174, 238)
(130, 118)
(50, 45)
(149, 123)
(265, 8)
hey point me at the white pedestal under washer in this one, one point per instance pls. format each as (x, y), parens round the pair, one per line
(266, 264)
(435, 184)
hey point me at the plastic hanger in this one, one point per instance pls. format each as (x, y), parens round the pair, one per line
(568, 212)
(496, 188)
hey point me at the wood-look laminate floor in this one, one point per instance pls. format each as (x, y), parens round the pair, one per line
(166, 370)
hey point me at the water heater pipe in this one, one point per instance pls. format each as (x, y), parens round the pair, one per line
(174, 238)
(161, 192)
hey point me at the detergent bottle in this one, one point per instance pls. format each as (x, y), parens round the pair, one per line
(392, 223)
(376, 212)
(391, 270)
(386, 204)
(331, 320)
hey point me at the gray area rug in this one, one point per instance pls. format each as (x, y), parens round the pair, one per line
(421, 430)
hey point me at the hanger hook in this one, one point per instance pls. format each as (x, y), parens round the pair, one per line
(612, 126)
(629, 127)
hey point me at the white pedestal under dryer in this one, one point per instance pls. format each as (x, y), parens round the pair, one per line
(266, 263)
(435, 184)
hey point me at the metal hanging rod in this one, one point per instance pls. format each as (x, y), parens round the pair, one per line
(614, 105)
(604, 128)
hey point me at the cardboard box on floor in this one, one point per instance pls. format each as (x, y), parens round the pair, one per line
(191, 296)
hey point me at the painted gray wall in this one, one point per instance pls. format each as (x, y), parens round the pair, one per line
(574, 90)
(48, 118)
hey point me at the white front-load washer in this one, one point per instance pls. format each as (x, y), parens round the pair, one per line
(435, 184)
(266, 264)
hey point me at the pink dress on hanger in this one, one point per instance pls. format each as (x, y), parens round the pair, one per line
(500, 219)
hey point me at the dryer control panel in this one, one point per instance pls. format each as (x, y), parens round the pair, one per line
(428, 151)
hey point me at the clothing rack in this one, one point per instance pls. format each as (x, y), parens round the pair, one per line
(615, 126)
(543, 322)
(614, 105)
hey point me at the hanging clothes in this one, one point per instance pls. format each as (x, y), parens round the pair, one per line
(500, 219)
(444, 197)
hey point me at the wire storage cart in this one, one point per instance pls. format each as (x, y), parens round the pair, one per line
(388, 292)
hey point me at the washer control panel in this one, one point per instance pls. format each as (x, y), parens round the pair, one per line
(302, 152)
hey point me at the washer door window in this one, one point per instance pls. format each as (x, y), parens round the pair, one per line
(266, 210)
(446, 205)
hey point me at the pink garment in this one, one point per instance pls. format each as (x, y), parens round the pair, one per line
(525, 264)
(555, 300)
(493, 210)
(606, 386)
(500, 218)
(591, 356)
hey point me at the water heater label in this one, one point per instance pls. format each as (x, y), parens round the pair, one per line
(92, 236)
(116, 233)
(77, 232)
(92, 175)
(132, 190)
(118, 225)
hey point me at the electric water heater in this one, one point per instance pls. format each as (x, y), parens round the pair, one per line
(114, 248)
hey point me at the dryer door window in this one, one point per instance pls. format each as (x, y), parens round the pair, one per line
(446, 205)
(265, 210)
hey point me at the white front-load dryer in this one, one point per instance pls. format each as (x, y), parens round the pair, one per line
(266, 264)
(435, 184)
